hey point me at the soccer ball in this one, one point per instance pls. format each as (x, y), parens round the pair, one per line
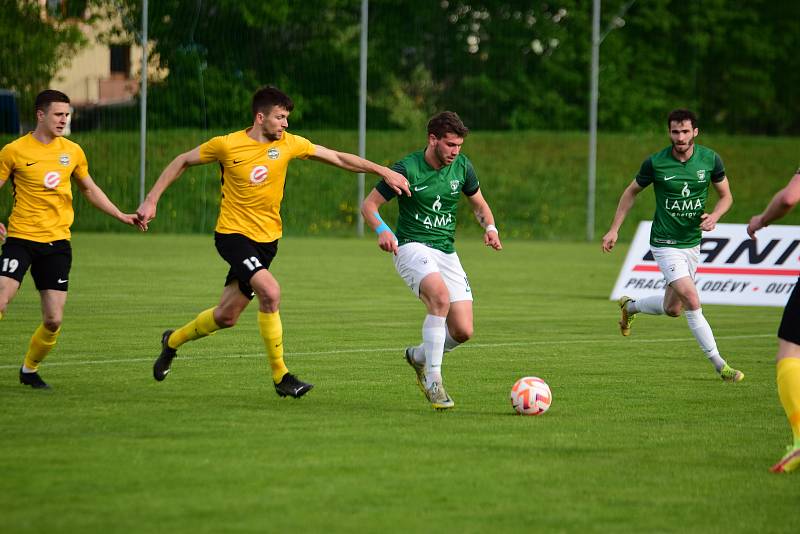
(531, 396)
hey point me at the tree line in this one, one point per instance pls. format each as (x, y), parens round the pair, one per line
(503, 65)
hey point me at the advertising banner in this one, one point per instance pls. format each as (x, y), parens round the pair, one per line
(734, 269)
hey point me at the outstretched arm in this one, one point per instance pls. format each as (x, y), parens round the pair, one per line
(781, 204)
(353, 163)
(709, 220)
(482, 211)
(147, 210)
(99, 200)
(626, 202)
(369, 209)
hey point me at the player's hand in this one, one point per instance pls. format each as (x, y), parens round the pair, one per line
(388, 242)
(146, 212)
(492, 239)
(756, 223)
(3, 233)
(609, 240)
(132, 219)
(396, 181)
(708, 221)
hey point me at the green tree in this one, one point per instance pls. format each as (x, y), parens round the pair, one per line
(32, 49)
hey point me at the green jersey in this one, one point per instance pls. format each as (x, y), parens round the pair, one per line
(428, 216)
(681, 190)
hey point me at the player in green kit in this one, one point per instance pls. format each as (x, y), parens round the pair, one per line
(681, 175)
(424, 254)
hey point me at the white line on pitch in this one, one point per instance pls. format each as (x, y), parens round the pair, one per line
(395, 349)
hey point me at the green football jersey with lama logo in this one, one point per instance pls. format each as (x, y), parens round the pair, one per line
(681, 190)
(428, 216)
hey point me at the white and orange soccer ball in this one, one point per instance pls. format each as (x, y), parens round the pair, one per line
(531, 396)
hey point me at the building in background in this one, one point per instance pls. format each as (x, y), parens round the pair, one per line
(105, 74)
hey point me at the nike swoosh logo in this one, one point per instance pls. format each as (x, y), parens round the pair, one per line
(420, 188)
(237, 161)
(668, 178)
(60, 281)
(29, 164)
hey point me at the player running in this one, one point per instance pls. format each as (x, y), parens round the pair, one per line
(787, 361)
(681, 175)
(253, 164)
(424, 254)
(40, 166)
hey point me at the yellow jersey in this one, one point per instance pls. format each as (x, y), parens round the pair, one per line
(40, 181)
(253, 177)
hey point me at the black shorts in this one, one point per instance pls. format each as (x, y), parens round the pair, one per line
(790, 323)
(49, 262)
(246, 257)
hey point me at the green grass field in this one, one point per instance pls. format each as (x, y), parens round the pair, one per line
(535, 181)
(642, 436)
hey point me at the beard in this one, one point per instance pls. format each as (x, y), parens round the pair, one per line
(443, 158)
(683, 148)
(272, 136)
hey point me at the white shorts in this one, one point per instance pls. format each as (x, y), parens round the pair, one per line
(676, 263)
(415, 261)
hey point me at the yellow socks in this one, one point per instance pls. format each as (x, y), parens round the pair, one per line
(203, 325)
(269, 324)
(41, 342)
(788, 371)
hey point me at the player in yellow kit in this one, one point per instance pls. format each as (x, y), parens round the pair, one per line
(40, 166)
(787, 361)
(253, 165)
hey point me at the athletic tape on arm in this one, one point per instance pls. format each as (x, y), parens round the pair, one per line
(382, 226)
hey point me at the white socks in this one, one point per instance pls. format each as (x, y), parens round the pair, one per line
(434, 333)
(449, 342)
(653, 305)
(704, 336)
(700, 328)
(418, 352)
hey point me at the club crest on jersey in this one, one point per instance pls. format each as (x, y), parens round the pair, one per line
(273, 153)
(701, 175)
(454, 186)
(258, 174)
(64, 159)
(52, 179)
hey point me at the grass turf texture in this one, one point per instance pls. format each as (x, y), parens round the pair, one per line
(641, 436)
(534, 181)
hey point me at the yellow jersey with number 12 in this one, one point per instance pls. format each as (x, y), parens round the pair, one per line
(40, 183)
(253, 179)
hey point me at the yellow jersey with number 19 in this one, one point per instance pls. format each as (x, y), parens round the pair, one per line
(40, 181)
(253, 177)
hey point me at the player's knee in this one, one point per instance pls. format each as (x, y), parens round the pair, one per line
(52, 323)
(674, 310)
(269, 297)
(439, 304)
(462, 335)
(225, 318)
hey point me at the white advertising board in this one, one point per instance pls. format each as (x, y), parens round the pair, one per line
(734, 269)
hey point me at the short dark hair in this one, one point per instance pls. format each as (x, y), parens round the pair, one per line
(268, 97)
(447, 122)
(47, 97)
(680, 115)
